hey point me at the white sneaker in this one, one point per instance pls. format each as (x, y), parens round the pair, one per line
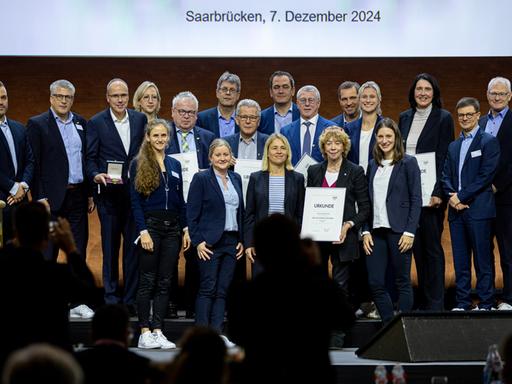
(81, 312)
(147, 341)
(457, 309)
(504, 307)
(162, 341)
(227, 342)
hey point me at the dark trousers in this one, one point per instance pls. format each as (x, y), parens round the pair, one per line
(429, 258)
(215, 276)
(157, 269)
(7, 223)
(359, 291)
(340, 269)
(503, 232)
(191, 282)
(116, 219)
(74, 209)
(385, 252)
(472, 236)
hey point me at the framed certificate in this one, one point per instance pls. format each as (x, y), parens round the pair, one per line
(115, 172)
(303, 164)
(244, 167)
(323, 213)
(427, 164)
(189, 167)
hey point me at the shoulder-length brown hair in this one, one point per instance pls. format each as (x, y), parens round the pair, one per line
(398, 149)
(147, 178)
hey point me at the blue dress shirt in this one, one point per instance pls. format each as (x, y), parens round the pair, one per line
(494, 122)
(466, 143)
(231, 200)
(73, 146)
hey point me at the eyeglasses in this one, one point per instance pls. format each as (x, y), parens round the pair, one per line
(499, 94)
(184, 112)
(119, 96)
(468, 116)
(63, 97)
(309, 100)
(226, 90)
(248, 117)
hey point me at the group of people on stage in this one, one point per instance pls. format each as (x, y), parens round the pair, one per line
(118, 162)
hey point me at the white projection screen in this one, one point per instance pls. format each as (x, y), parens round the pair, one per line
(228, 28)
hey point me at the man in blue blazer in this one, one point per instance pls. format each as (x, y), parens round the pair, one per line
(303, 133)
(284, 111)
(57, 136)
(248, 143)
(349, 103)
(114, 137)
(16, 164)
(498, 122)
(221, 119)
(467, 178)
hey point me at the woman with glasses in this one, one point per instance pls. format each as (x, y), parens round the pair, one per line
(426, 127)
(146, 99)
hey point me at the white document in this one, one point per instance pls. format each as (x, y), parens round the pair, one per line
(323, 213)
(304, 163)
(427, 164)
(244, 167)
(189, 167)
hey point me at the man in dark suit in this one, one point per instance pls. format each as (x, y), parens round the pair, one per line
(284, 110)
(221, 119)
(248, 143)
(498, 123)
(467, 178)
(303, 133)
(349, 103)
(113, 139)
(16, 164)
(186, 137)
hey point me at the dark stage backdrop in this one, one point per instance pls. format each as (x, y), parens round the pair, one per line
(27, 80)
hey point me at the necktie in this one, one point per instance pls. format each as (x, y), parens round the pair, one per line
(10, 142)
(184, 143)
(306, 146)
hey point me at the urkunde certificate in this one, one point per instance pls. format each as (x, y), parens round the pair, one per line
(244, 167)
(323, 213)
(189, 167)
(427, 164)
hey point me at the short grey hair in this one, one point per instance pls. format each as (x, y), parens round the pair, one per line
(62, 83)
(216, 144)
(184, 95)
(230, 78)
(309, 88)
(372, 85)
(499, 80)
(115, 80)
(248, 103)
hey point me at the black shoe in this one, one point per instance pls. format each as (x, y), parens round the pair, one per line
(172, 311)
(190, 314)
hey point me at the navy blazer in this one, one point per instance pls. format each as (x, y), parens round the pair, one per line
(256, 206)
(206, 209)
(209, 119)
(267, 122)
(436, 135)
(104, 143)
(478, 171)
(50, 182)
(292, 133)
(234, 141)
(203, 140)
(353, 130)
(503, 178)
(24, 159)
(351, 177)
(403, 202)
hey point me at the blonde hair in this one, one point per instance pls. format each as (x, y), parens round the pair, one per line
(338, 134)
(139, 93)
(273, 137)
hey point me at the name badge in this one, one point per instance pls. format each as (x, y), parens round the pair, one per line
(175, 174)
(476, 153)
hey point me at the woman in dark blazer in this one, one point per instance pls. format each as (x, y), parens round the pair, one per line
(394, 186)
(215, 210)
(338, 172)
(426, 127)
(264, 196)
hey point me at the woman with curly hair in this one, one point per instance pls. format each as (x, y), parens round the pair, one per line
(159, 210)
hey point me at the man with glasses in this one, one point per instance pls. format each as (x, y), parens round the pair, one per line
(114, 137)
(303, 133)
(248, 143)
(221, 119)
(16, 164)
(284, 111)
(498, 122)
(349, 103)
(467, 179)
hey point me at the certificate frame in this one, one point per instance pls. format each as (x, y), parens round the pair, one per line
(189, 167)
(244, 167)
(427, 164)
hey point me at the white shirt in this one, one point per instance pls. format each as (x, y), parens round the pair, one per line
(364, 148)
(331, 177)
(123, 128)
(418, 123)
(380, 193)
(312, 129)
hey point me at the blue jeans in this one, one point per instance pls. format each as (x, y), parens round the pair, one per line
(215, 276)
